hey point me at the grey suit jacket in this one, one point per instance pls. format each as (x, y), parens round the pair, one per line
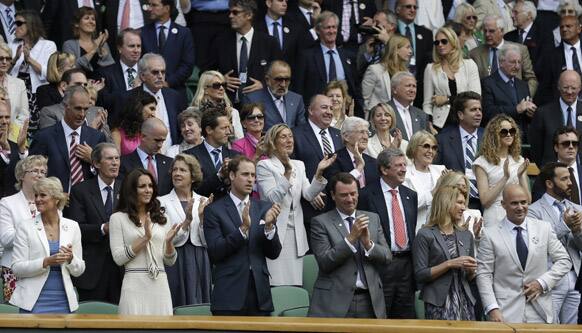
(542, 210)
(419, 120)
(72, 46)
(429, 249)
(294, 107)
(50, 115)
(500, 277)
(336, 281)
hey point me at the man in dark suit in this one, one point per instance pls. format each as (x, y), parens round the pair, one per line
(172, 41)
(147, 155)
(213, 153)
(281, 105)
(565, 111)
(10, 152)
(303, 16)
(503, 92)
(243, 53)
(323, 63)
(409, 119)
(351, 15)
(122, 75)
(91, 204)
(458, 144)
(123, 14)
(68, 144)
(57, 16)
(527, 31)
(351, 251)
(397, 207)
(241, 233)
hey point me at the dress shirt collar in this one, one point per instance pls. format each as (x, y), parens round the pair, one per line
(165, 24)
(211, 148)
(526, 30)
(248, 35)
(143, 156)
(305, 12)
(102, 184)
(504, 77)
(510, 225)
(564, 106)
(568, 46)
(464, 133)
(68, 130)
(498, 47)
(551, 200)
(270, 21)
(124, 68)
(344, 216)
(237, 201)
(273, 97)
(402, 27)
(386, 188)
(157, 94)
(324, 49)
(316, 128)
(400, 106)
(3, 9)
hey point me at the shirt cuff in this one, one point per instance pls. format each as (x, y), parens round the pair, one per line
(313, 34)
(352, 247)
(23, 155)
(491, 307)
(356, 173)
(102, 229)
(367, 252)
(543, 284)
(270, 233)
(5, 158)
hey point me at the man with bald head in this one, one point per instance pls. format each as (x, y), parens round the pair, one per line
(565, 110)
(147, 155)
(512, 274)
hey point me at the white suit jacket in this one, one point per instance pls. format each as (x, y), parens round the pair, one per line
(376, 86)
(41, 52)
(175, 214)
(500, 277)
(437, 83)
(13, 211)
(424, 198)
(30, 248)
(18, 99)
(275, 188)
(430, 14)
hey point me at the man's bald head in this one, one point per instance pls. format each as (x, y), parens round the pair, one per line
(515, 202)
(569, 86)
(153, 135)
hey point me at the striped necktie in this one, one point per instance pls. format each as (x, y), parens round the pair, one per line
(76, 169)
(10, 20)
(469, 159)
(325, 141)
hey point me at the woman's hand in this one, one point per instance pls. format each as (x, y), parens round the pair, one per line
(506, 169)
(147, 226)
(522, 168)
(477, 226)
(172, 233)
(324, 164)
(203, 203)
(439, 100)
(396, 138)
(468, 263)
(188, 220)
(67, 251)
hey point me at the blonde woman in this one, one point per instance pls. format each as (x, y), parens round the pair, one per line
(342, 104)
(499, 164)
(383, 121)
(51, 94)
(449, 75)
(14, 87)
(211, 91)
(376, 82)
(467, 16)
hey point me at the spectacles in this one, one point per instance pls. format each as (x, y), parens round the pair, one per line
(504, 132)
(37, 172)
(156, 72)
(255, 117)
(282, 79)
(471, 17)
(19, 23)
(235, 12)
(428, 146)
(217, 85)
(567, 144)
(567, 11)
(440, 41)
(7, 59)
(415, 7)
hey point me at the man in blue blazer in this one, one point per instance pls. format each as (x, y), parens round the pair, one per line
(281, 105)
(241, 233)
(172, 41)
(55, 141)
(399, 225)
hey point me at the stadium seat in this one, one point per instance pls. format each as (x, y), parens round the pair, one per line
(193, 310)
(287, 297)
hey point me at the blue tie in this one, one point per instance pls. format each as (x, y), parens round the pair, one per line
(520, 247)
(217, 162)
(469, 159)
(358, 256)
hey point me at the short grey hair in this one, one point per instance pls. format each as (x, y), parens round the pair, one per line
(143, 65)
(386, 156)
(71, 91)
(350, 124)
(398, 77)
(530, 8)
(499, 23)
(97, 153)
(26, 164)
(324, 16)
(506, 50)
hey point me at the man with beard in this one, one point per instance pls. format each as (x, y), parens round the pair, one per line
(566, 220)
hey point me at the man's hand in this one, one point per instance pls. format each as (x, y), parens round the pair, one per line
(246, 218)
(83, 152)
(319, 201)
(532, 290)
(257, 85)
(358, 228)
(232, 82)
(495, 315)
(365, 235)
(271, 216)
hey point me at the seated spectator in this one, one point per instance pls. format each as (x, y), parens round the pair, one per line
(342, 104)
(466, 15)
(10, 152)
(409, 119)
(50, 94)
(126, 130)
(253, 115)
(422, 175)
(386, 134)
(565, 8)
(14, 87)
(15, 209)
(88, 46)
(484, 8)
(43, 282)
(528, 31)
(189, 121)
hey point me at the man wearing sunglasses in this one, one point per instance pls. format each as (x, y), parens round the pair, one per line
(281, 105)
(527, 31)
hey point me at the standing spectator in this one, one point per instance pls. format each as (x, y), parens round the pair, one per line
(126, 129)
(15, 209)
(207, 20)
(342, 104)
(527, 31)
(124, 14)
(52, 93)
(499, 164)
(564, 8)
(10, 152)
(254, 123)
(386, 135)
(351, 15)
(44, 281)
(502, 10)
(141, 240)
(409, 119)
(282, 180)
(467, 16)
(91, 205)
(190, 130)
(15, 88)
(189, 278)
(449, 75)
(444, 273)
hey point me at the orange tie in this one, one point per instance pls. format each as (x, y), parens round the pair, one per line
(398, 219)
(125, 16)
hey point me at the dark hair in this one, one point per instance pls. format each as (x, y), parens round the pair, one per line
(79, 16)
(235, 162)
(455, 26)
(248, 108)
(385, 157)
(122, 33)
(34, 25)
(68, 74)
(131, 117)
(564, 130)
(210, 118)
(97, 153)
(246, 5)
(128, 198)
(462, 98)
(341, 177)
(548, 171)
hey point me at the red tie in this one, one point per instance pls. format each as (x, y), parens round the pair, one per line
(125, 16)
(398, 220)
(76, 169)
(151, 167)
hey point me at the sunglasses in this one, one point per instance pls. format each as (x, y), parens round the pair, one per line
(282, 79)
(567, 144)
(415, 7)
(471, 17)
(507, 132)
(235, 12)
(440, 41)
(7, 59)
(217, 85)
(19, 23)
(255, 117)
(428, 146)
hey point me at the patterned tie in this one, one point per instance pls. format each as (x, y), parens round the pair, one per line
(109, 201)
(10, 21)
(398, 220)
(520, 247)
(469, 159)
(325, 141)
(161, 38)
(152, 167)
(125, 16)
(76, 169)
(217, 162)
(575, 197)
(358, 256)
(331, 72)
(276, 34)
(130, 78)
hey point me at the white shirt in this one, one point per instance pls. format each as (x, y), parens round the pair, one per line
(135, 14)
(239, 204)
(574, 167)
(166, 30)
(568, 54)
(9, 37)
(81, 3)
(550, 5)
(359, 283)
(404, 113)
(308, 14)
(124, 68)
(249, 38)
(316, 130)
(388, 199)
(162, 114)
(68, 131)
(564, 108)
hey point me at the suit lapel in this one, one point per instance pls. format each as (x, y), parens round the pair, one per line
(233, 212)
(177, 205)
(95, 192)
(310, 136)
(533, 239)
(441, 241)
(231, 49)
(171, 37)
(339, 224)
(503, 87)
(408, 213)
(320, 63)
(41, 234)
(456, 142)
(509, 243)
(579, 115)
(62, 144)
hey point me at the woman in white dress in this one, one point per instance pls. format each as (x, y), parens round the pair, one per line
(383, 121)
(422, 175)
(141, 239)
(499, 164)
(283, 181)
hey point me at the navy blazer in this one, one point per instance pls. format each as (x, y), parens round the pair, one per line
(235, 258)
(344, 163)
(292, 38)
(372, 199)
(163, 162)
(307, 148)
(366, 8)
(51, 142)
(551, 66)
(211, 184)
(178, 52)
(294, 107)
(497, 99)
(114, 88)
(110, 22)
(450, 143)
(7, 176)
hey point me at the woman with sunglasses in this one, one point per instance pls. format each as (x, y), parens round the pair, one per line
(421, 175)
(466, 15)
(499, 164)
(211, 91)
(31, 53)
(376, 81)
(449, 75)
(253, 115)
